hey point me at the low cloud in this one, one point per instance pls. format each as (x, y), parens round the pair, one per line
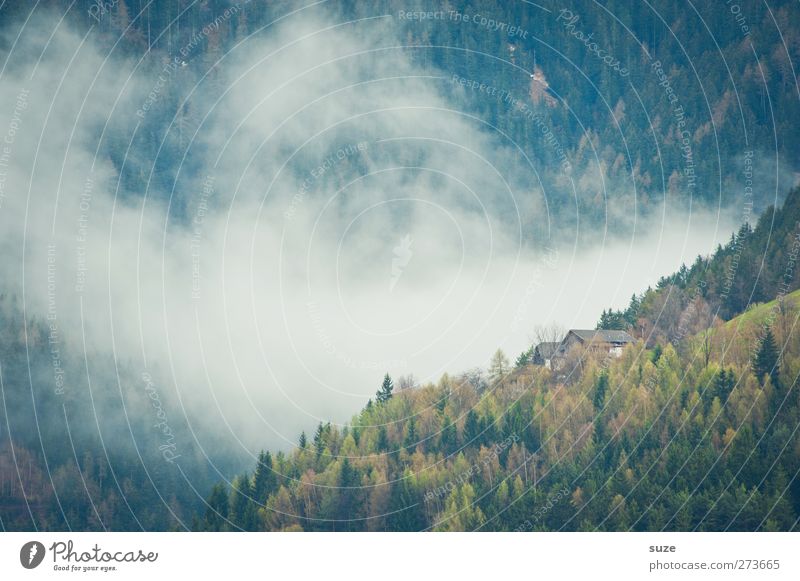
(335, 214)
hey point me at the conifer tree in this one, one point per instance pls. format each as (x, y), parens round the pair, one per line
(348, 481)
(385, 392)
(448, 436)
(600, 391)
(723, 385)
(383, 439)
(319, 440)
(264, 480)
(525, 358)
(656, 355)
(242, 510)
(498, 367)
(766, 359)
(472, 428)
(217, 509)
(411, 440)
(488, 429)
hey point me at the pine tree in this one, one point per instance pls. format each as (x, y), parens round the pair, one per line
(303, 441)
(385, 392)
(766, 359)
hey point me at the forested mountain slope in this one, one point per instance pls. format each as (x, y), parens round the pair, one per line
(679, 116)
(656, 440)
(86, 444)
(758, 264)
(697, 432)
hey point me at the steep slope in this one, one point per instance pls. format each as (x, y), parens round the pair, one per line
(679, 437)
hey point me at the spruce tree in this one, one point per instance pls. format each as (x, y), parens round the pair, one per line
(600, 391)
(525, 358)
(766, 359)
(319, 440)
(410, 442)
(347, 492)
(383, 440)
(448, 436)
(723, 385)
(216, 509)
(488, 429)
(264, 480)
(242, 510)
(385, 392)
(472, 428)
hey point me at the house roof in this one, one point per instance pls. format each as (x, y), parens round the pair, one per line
(606, 336)
(547, 349)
